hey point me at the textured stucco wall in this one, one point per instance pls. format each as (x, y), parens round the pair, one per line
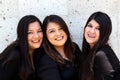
(74, 12)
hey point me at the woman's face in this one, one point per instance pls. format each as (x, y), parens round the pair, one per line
(35, 35)
(56, 35)
(92, 33)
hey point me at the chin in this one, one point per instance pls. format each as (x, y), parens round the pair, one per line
(35, 47)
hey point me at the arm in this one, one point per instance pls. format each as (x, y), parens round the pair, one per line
(104, 65)
(47, 69)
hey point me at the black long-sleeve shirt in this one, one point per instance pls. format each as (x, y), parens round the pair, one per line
(106, 64)
(49, 69)
(10, 71)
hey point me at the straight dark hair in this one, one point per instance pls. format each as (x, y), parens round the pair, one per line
(88, 54)
(21, 44)
(50, 50)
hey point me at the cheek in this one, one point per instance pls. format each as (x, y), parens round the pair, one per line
(49, 37)
(29, 38)
(87, 29)
(65, 34)
(41, 35)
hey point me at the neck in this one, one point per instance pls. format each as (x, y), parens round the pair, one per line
(91, 46)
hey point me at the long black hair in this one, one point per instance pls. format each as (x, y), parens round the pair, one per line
(21, 44)
(88, 54)
(50, 50)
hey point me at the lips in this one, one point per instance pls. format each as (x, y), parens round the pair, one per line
(91, 36)
(59, 38)
(36, 41)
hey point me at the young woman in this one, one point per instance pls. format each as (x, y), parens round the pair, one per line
(62, 55)
(17, 61)
(99, 60)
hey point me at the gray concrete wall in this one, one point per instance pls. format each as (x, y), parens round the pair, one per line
(74, 12)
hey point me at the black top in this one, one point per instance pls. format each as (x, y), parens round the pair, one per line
(49, 69)
(106, 64)
(10, 71)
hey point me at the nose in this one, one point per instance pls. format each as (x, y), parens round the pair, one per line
(58, 32)
(92, 30)
(36, 35)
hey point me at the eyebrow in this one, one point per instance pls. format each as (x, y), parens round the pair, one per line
(50, 29)
(37, 29)
(91, 24)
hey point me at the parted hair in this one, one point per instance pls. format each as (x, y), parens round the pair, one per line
(21, 45)
(50, 50)
(88, 54)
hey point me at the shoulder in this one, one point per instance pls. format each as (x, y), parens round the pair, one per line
(75, 44)
(107, 54)
(46, 59)
(100, 55)
(10, 55)
(11, 61)
(15, 53)
(77, 49)
(106, 50)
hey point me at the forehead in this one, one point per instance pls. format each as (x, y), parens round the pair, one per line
(34, 25)
(52, 25)
(94, 23)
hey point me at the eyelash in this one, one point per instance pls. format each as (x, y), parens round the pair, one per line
(91, 26)
(40, 31)
(32, 32)
(54, 30)
(51, 31)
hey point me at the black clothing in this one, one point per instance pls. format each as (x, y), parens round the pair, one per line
(10, 70)
(49, 69)
(106, 64)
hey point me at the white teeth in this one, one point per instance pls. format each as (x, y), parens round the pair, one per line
(91, 36)
(59, 38)
(36, 41)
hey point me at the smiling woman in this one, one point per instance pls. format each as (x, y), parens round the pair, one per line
(17, 61)
(99, 62)
(61, 58)
(35, 36)
(56, 35)
(92, 32)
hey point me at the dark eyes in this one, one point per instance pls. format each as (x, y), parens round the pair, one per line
(30, 32)
(53, 30)
(40, 31)
(61, 28)
(98, 28)
(89, 25)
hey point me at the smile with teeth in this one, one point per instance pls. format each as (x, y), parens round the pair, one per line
(36, 41)
(59, 38)
(91, 36)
